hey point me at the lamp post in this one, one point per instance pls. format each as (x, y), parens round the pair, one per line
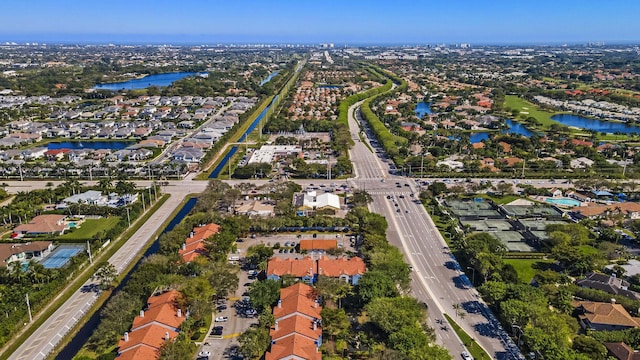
(473, 276)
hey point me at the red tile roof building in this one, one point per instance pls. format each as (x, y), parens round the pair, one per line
(194, 245)
(297, 333)
(308, 269)
(155, 325)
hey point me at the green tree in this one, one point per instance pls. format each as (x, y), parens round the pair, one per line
(376, 284)
(590, 346)
(333, 289)
(264, 294)
(392, 314)
(361, 198)
(106, 275)
(335, 323)
(254, 342)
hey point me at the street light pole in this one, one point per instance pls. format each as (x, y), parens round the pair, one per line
(28, 307)
(89, 252)
(128, 216)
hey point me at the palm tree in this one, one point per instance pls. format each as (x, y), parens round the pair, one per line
(105, 185)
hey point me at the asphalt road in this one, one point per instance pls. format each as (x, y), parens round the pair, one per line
(437, 278)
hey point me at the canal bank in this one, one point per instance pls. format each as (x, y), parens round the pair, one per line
(83, 331)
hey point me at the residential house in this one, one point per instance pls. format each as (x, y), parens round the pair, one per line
(24, 251)
(159, 322)
(42, 225)
(622, 351)
(348, 270)
(627, 209)
(581, 163)
(195, 244)
(255, 208)
(296, 333)
(304, 269)
(611, 284)
(604, 316)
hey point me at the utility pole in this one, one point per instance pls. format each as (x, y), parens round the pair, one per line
(28, 307)
(422, 166)
(128, 217)
(523, 162)
(20, 168)
(144, 206)
(89, 252)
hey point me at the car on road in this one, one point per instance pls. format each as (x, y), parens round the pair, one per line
(204, 354)
(465, 356)
(222, 319)
(397, 210)
(217, 330)
(221, 307)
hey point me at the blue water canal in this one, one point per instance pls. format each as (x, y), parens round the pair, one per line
(93, 145)
(595, 125)
(145, 82)
(220, 167)
(268, 78)
(81, 337)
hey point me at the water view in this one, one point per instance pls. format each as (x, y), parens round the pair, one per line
(513, 128)
(145, 82)
(269, 78)
(423, 108)
(93, 145)
(596, 125)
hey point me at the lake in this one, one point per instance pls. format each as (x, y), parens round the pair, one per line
(514, 128)
(596, 125)
(423, 108)
(145, 82)
(93, 145)
(269, 78)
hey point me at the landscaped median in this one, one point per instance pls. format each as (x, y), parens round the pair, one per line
(475, 350)
(85, 275)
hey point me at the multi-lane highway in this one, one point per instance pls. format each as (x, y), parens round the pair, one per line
(437, 277)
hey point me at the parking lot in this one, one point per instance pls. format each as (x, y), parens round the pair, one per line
(222, 340)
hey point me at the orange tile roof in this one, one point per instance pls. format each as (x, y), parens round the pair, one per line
(478, 145)
(152, 336)
(203, 232)
(298, 289)
(300, 305)
(295, 345)
(342, 266)
(295, 324)
(510, 161)
(165, 314)
(140, 353)
(318, 244)
(194, 245)
(294, 267)
(42, 224)
(170, 297)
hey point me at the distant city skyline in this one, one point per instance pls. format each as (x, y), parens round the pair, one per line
(353, 22)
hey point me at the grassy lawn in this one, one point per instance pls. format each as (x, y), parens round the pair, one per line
(474, 349)
(588, 250)
(89, 228)
(525, 267)
(517, 103)
(500, 200)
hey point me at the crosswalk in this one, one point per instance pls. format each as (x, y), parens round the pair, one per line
(388, 192)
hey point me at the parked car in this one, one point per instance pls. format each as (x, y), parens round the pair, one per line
(465, 356)
(222, 319)
(221, 307)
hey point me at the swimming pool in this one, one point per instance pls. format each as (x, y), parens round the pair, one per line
(566, 202)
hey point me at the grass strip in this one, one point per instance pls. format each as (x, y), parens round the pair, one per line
(475, 350)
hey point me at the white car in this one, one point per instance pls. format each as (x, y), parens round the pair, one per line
(222, 319)
(465, 356)
(204, 353)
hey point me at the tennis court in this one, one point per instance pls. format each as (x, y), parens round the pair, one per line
(473, 209)
(61, 256)
(513, 241)
(488, 225)
(537, 211)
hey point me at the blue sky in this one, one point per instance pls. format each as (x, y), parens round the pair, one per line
(311, 21)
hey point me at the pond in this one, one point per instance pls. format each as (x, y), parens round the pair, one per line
(596, 125)
(423, 108)
(145, 82)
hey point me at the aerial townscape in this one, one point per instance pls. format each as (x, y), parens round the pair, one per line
(346, 180)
